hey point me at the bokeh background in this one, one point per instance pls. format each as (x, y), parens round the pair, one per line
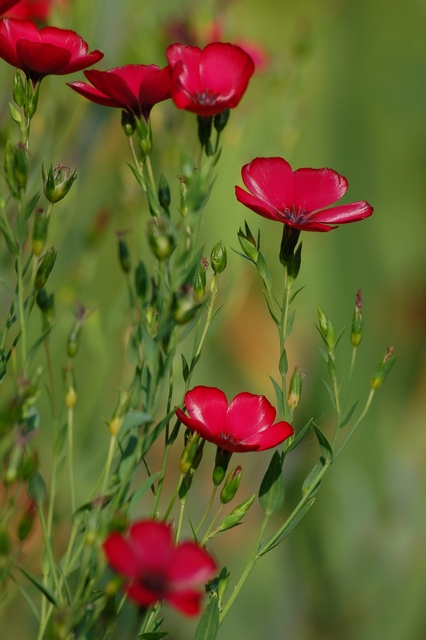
(344, 86)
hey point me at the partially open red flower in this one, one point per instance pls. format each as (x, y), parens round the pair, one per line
(297, 198)
(208, 81)
(134, 87)
(7, 4)
(43, 52)
(155, 569)
(245, 425)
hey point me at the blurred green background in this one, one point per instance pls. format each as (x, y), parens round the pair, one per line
(345, 88)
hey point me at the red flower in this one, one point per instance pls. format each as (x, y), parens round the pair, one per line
(43, 52)
(245, 425)
(134, 87)
(297, 198)
(32, 10)
(211, 80)
(7, 4)
(155, 569)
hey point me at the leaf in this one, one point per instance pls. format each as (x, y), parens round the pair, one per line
(290, 323)
(348, 415)
(208, 626)
(8, 235)
(293, 295)
(185, 368)
(330, 392)
(153, 435)
(127, 461)
(154, 635)
(267, 546)
(134, 419)
(37, 344)
(279, 395)
(312, 483)
(283, 364)
(142, 489)
(271, 313)
(271, 492)
(325, 446)
(31, 204)
(28, 599)
(263, 271)
(138, 176)
(293, 444)
(40, 586)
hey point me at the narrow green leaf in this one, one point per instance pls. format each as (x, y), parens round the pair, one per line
(37, 344)
(279, 395)
(348, 416)
(40, 586)
(138, 176)
(29, 600)
(8, 235)
(293, 295)
(293, 444)
(271, 313)
(290, 323)
(271, 492)
(208, 626)
(263, 271)
(185, 368)
(31, 204)
(267, 545)
(283, 364)
(330, 392)
(154, 635)
(325, 446)
(142, 489)
(134, 419)
(153, 435)
(312, 483)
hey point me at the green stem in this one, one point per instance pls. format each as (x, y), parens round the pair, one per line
(110, 457)
(175, 495)
(70, 430)
(212, 523)
(361, 417)
(207, 511)
(21, 312)
(287, 286)
(253, 559)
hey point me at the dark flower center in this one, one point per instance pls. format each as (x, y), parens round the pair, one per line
(155, 582)
(228, 437)
(296, 215)
(206, 98)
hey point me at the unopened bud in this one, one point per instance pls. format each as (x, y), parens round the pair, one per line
(164, 193)
(120, 413)
(189, 452)
(120, 522)
(26, 521)
(124, 253)
(231, 485)
(221, 119)
(143, 130)
(221, 465)
(183, 307)
(218, 258)
(128, 123)
(46, 304)
(57, 182)
(70, 390)
(160, 238)
(326, 329)
(40, 228)
(18, 89)
(141, 280)
(45, 267)
(295, 388)
(200, 281)
(357, 322)
(204, 129)
(5, 541)
(22, 166)
(383, 369)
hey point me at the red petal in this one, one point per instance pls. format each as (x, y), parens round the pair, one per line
(141, 595)
(115, 86)
(120, 555)
(270, 180)
(10, 32)
(270, 437)
(247, 415)
(188, 602)
(258, 206)
(190, 566)
(93, 94)
(6, 4)
(208, 406)
(225, 70)
(42, 58)
(152, 544)
(317, 188)
(185, 63)
(344, 213)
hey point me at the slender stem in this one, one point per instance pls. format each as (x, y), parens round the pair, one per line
(175, 495)
(167, 448)
(214, 519)
(287, 286)
(21, 312)
(361, 417)
(48, 547)
(207, 511)
(70, 430)
(253, 559)
(110, 457)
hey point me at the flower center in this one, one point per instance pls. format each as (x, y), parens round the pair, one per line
(155, 582)
(297, 215)
(228, 437)
(206, 98)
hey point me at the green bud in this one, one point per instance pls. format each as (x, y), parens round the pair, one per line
(295, 388)
(128, 123)
(26, 521)
(248, 244)
(70, 388)
(141, 280)
(221, 465)
(231, 485)
(189, 452)
(218, 258)
(288, 257)
(204, 129)
(31, 99)
(143, 130)
(45, 267)
(221, 120)
(120, 412)
(124, 253)
(40, 229)
(357, 322)
(326, 329)
(18, 89)
(120, 522)
(57, 182)
(160, 238)
(383, 369)
(28, 465)
(22, 167)
(164, 193)
(37, 489)
(46, 304)
(200, 281)
(236, 515)
(183, 308)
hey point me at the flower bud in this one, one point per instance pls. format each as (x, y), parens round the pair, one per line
(295, 388)
(141, 280)
(31, 99)
(37, 489)
(231, 485)
(326, 329)
(357, 322)
(189, 452)
(218, 258)
(45, 267)
(40, 228)
(143, 130)
(57, 182)
(128, 123)
(22, 167)
(28, 465)
(221, 465)
(18, 89)
(120, 413)
(204, 129)
(383, 369)
(46, 304)
(221, 120)
(70, 391)
(26, 521)
(248, 244)
(183, 308)
(200, 281)
(164, 193)
(160, 238)
(124, 253)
